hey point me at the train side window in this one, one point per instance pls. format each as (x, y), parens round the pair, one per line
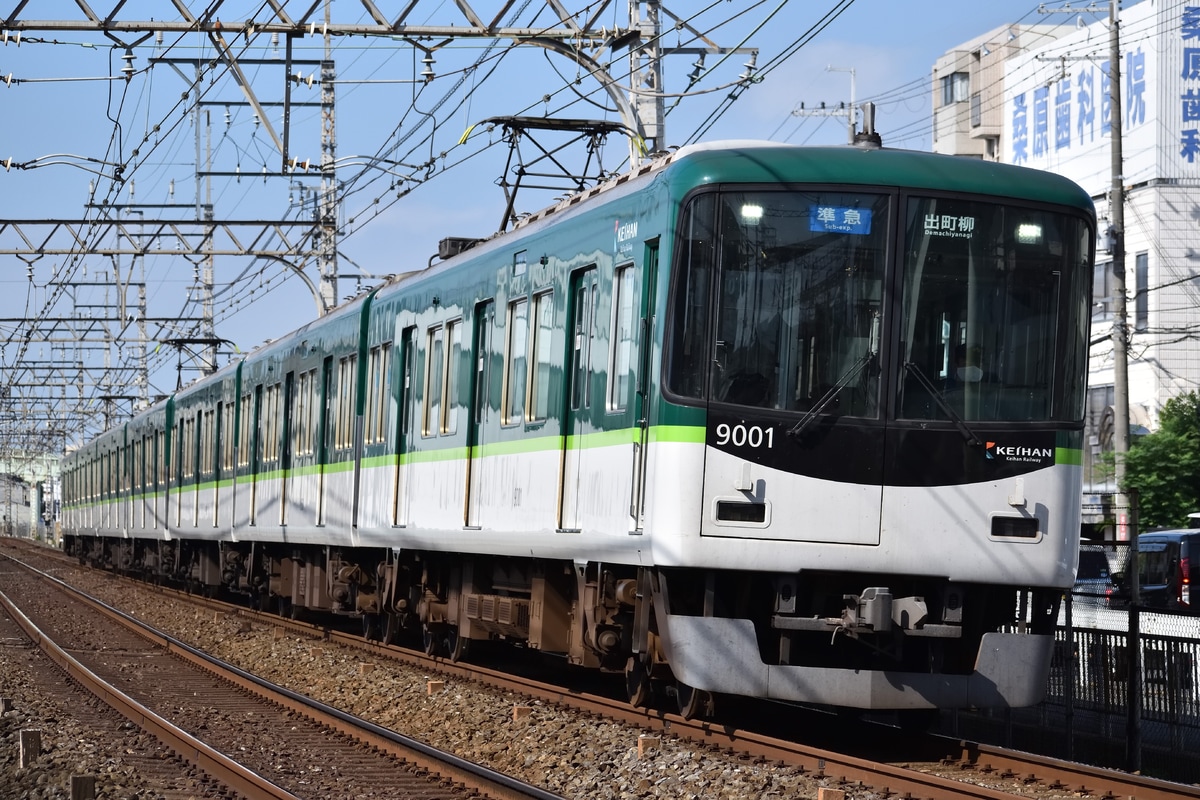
(347, 398)
(543, 341)
(301, 408)
(228, 430)
(435, 364)
(244, 431)
(271, 424)
(622, 355)
(517, 363)
(583, 336)
(305, 418)
(160, 459)
(484, 313)
(207, 443)
(135, 448)
(450, 404)
(378, 369)
(687, 365)
(187, 455)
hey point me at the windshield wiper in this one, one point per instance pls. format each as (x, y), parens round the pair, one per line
(842, 382)
(833, 392)
(940, 399)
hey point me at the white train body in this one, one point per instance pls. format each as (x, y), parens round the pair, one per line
(761, 420)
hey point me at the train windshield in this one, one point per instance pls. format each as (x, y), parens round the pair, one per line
(798, 278)
(783, 304)
(991, 323)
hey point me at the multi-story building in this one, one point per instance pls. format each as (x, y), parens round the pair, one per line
(968, 85)
(15, 506)
(1041, 97)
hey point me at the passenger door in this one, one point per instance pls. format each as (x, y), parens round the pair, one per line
(577, 420)
(404, 425)
(480, 417)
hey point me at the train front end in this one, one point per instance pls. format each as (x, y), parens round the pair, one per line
(873, 384)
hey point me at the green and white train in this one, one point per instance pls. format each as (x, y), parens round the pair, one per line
(799, 423)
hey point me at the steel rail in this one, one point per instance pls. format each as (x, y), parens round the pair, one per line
(214, 763)
(966, 755)
(484, 781)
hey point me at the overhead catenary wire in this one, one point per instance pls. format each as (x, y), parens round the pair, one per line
(410, 136)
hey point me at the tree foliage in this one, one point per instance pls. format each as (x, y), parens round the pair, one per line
(1164, 466)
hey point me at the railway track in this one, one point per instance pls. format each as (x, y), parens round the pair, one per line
(895, 764)
(254, 739)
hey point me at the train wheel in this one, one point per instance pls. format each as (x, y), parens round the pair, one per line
(431, 641)
(637, 683)
(456, 647)
(370, 626)
(693, 702)
(391, 628)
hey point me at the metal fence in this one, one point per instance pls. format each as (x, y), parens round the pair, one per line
(1124, 687)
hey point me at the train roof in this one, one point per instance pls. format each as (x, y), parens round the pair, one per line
(766, 162)
(755, 161)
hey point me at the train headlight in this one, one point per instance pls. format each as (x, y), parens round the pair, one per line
(1029, 233)
(751, 214)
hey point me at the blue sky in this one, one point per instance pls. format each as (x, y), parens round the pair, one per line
(58, 105)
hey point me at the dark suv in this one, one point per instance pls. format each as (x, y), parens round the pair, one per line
(1166, 562)
(1093, 582)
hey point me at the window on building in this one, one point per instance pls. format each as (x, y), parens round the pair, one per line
(1141, 297)
(955, 88)
(976, 110)
(1102, 288)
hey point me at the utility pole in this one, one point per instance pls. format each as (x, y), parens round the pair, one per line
(850, 111)
(1116, 214)
(645, 66)
(1116, 245)
(840, 110)
(328, 203)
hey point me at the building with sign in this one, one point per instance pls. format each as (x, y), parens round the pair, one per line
(1045, 101)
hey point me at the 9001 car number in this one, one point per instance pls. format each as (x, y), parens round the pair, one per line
(745, 435)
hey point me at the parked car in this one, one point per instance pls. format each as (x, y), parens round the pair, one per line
(1167, 560)
(1093, 579)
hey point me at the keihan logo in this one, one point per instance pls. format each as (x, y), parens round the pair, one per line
(625, 231)
(1008, 452)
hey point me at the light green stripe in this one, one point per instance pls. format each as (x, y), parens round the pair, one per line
(688, 434)
(423, 457)
(602, 439)
(535, 445)
(1068, 455)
